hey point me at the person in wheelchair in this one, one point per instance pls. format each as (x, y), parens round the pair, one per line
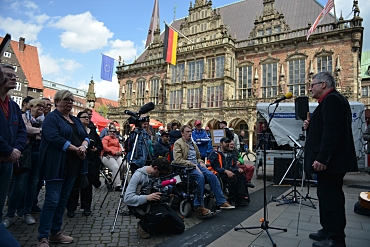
(186, 153)
(162, 146)
(147, 205)
(224, 163)
(248, 170)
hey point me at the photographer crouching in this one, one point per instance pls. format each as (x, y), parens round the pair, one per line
(146, 202)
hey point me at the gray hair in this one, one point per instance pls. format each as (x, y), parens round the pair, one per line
(325, 77)
(62, 94)
(7, 66)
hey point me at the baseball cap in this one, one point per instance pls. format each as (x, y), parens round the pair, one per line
(225, 139)
(224, 122)
(197, 122)
(232, 129)
(161, 128)
(165, 133)
(207, 128)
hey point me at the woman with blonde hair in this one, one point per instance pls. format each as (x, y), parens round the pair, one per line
(63, 148)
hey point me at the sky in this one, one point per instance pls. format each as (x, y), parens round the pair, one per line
(71, 34)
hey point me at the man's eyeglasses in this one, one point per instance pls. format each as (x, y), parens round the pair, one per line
(112, 131)
(315, 83)
(69, 100)
(85, 117)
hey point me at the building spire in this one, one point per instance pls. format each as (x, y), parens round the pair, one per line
(154, 22)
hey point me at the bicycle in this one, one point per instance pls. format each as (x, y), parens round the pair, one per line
(249, 155)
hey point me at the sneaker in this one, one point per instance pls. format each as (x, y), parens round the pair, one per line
(202, 211)
(142, 234)
(29, 219)
(43, 243)
(36, 209)
(60, 237)
(8, 221)
(226, 205)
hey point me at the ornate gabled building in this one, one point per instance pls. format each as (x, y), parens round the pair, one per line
(230, 60)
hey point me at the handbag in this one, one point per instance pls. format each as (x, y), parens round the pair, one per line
(25, 162)
(81, 182)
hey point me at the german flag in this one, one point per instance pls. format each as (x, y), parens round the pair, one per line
(170, 45)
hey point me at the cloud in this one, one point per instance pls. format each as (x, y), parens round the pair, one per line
(83, 33)
(53, 66)
(124, 48)
(19, 28)
(105, 89)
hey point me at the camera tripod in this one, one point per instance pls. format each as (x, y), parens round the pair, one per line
(265, 223)
(294, 194)
(120, 210)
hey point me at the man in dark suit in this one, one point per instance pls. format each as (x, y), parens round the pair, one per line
(329, 152)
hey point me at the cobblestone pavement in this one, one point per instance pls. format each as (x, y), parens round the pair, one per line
(96, 229)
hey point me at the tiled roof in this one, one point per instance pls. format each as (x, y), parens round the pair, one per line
(103, 101)
(49, 93)
(240, 16)
(365, 63)
(29, 61)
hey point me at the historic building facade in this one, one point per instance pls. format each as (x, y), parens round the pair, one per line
(231, 60)
(25, 60)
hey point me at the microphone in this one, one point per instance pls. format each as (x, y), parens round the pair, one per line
(288, 95)
(131, 113)
(146, 108)
(168, 182)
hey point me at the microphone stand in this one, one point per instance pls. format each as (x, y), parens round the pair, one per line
(265, 223)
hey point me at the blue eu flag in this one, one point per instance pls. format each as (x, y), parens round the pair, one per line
(107, 65)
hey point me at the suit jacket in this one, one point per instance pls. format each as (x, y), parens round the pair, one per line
(329, 136)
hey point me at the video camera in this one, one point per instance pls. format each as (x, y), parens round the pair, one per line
(135, 116)
(165, 187)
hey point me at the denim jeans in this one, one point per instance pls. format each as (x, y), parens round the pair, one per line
(33, 179)
(6, 170)
(213, 182)
(56, 196)
(15, 197)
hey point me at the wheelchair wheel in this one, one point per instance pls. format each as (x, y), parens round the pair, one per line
(250, 156)
(185, 208)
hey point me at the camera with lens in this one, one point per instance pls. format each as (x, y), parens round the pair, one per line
(162, 185)
(135, 116)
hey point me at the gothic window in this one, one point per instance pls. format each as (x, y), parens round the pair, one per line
(216, 67)
(195, 70)
(269, 80)
(129, 94)
(194, 98)
(140, 92)
(244, 86)
(178, 71)
(324, 64)
(297, 76)
(268, 31)
(277, 29)
(154, 89)
(175, 99)
(260, 32)
(214, 96)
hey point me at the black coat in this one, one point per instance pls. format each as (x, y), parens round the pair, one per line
(329, 136)
(161, 149)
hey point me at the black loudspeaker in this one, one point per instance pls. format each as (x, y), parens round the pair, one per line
(281, 165)
(301, 107)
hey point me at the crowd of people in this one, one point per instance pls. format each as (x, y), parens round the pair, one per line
(63, 152)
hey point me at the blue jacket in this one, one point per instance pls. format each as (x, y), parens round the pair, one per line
(56, 138)
(161, 149)
(203, 141)
(140, 155)
(12, 131)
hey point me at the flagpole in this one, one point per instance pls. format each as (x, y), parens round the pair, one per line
(111, 57)
(178, 32)
(335, 15)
